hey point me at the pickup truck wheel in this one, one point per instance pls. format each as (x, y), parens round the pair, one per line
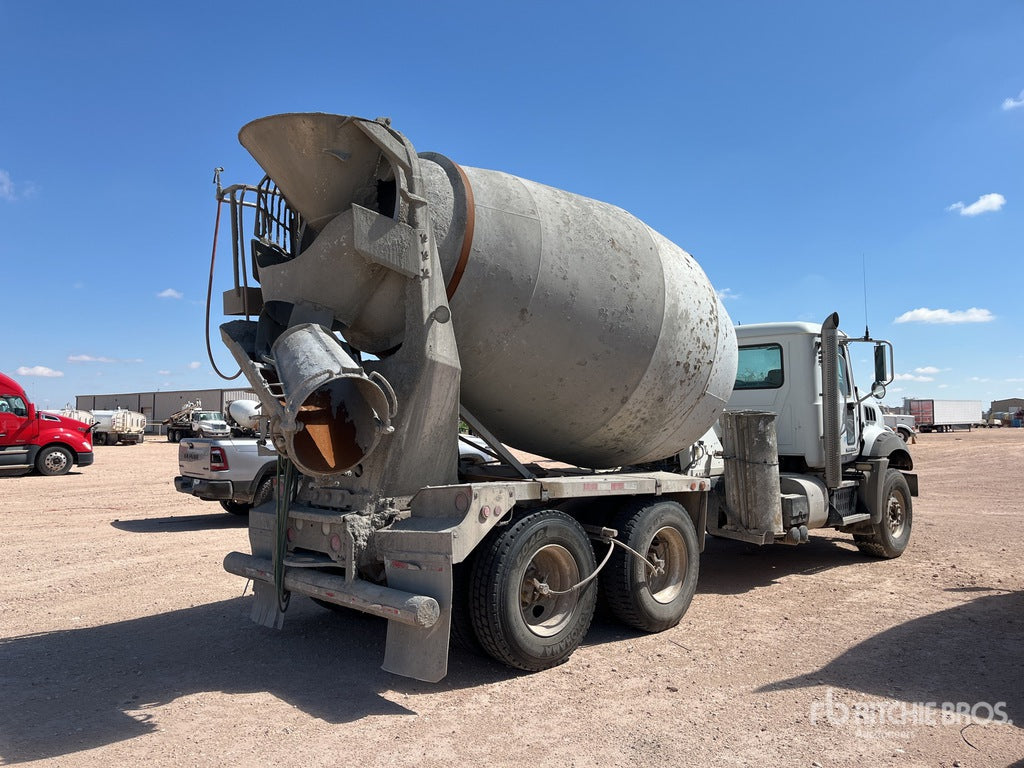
(890, 536)
(54, 460)
(648, 600)
(526, 611)
(235, 507)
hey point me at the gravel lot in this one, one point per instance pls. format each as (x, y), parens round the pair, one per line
(123, 642)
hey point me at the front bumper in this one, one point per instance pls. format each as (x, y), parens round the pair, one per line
(85, 459)
(207, 490)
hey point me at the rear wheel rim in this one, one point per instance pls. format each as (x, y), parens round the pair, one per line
(554, 567)
(667, 551)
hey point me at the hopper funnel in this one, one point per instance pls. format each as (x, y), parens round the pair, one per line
(334, 414)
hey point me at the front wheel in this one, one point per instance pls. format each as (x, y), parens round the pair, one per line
(54, 460)
(891, 535)
(652, 599)
(527, 607)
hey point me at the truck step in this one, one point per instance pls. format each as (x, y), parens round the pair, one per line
(858, 518)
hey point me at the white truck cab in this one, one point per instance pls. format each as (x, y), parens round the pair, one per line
(780, 371)
(804, 448)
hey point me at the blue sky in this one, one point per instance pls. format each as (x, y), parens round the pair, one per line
(784, 144)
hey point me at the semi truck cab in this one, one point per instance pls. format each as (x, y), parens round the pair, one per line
(48, 442)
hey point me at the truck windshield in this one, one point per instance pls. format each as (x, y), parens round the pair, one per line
(210, 416)
(760, 367)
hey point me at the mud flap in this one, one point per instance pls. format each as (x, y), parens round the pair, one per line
(414, 652)
(265, 609)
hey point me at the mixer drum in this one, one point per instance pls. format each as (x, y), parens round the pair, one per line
(583, 334)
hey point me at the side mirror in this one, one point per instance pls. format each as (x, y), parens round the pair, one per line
(878, 390)
(881, 364)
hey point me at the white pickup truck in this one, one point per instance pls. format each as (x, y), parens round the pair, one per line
(233, 472)
(229, 470)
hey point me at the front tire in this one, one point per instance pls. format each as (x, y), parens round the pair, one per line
(663, 532)
(54, 460)
(891, 535)
(518, 615)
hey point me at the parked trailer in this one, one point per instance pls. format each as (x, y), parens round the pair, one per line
(119, 426)
(945, 415)
(399, 291)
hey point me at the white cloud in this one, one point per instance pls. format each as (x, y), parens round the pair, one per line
(1012, 103)
(6, 186)
(929, 370)
(90, 359)
(1015, 380)
(726, 294)
(943, 386)
(194, 365)
(911, 377)
(925, 315)
(163, 373)
(101, 359)
(976, 378)
(39, 370)
(984, 204)
(170, 293)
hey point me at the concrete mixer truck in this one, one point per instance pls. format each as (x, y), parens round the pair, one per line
(388, 294)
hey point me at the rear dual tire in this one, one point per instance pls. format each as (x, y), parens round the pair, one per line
(515, 613)
(652, 600)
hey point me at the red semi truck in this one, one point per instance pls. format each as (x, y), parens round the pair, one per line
(48, 442)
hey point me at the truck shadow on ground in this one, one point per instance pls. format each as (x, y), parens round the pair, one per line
(970, 653)
(77, 689)
(729, 567)
(207, 522)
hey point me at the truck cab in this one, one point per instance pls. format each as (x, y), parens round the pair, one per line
(31, 438)
(803, 447)
(780, 371)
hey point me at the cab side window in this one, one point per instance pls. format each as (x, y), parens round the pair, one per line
(760, 367)
(13, 404)
(844, 379)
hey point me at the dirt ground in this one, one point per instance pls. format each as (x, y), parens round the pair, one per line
(124, 642)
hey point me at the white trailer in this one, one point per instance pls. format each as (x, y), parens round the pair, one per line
(945, 415)
(120, 426)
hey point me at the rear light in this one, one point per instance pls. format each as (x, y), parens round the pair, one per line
(218, 461)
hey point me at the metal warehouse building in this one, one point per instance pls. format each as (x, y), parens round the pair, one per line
(157, 406)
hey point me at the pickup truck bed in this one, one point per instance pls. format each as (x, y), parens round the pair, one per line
(228, 470)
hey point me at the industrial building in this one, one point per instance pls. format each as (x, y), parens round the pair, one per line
(157, 406)
(1010, 405)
